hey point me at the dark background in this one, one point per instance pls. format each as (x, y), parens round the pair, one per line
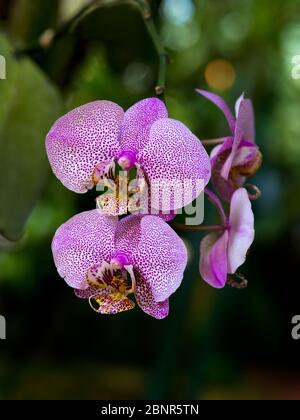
(214, 344)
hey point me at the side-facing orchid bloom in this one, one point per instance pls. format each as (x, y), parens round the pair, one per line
(223, 253)
(106, 261)
(89, 145)
(238, 157)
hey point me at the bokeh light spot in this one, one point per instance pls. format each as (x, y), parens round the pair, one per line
(137, 77)
(235, 26)
(220, 74)
(178, 12)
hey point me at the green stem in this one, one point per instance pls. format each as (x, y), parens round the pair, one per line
(159, 47)
(214, 199)
(213, 142)
(198, 228)
(146, 13)
(59, 32)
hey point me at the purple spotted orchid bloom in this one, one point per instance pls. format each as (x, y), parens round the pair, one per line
(238, 157)
(84, 146)
(106, 260)
(222, 254)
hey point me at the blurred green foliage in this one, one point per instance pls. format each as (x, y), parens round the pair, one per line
(28, 105)
(214, 344)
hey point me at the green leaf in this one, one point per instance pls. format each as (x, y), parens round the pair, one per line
(29, 104)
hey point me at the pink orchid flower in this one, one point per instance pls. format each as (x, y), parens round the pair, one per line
(85, 145)
(222, 254)
(238, 157)
(107, 261)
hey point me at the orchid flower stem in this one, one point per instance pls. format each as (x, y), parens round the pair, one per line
(180, 226)
(160, 49)
(53, 35)
(240, 285)
(146, 12)
(213, 142)
(59, 32)
(217, 203)
(255, 191)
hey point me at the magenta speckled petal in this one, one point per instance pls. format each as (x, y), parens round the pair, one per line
(221, 104)
(167, 217)
(81, 242)
(85, 294)
(245, 116)
(159, 255)
(174, 156)
(81, 139)
(213, 259)
(137, 122)
(146, 302)
(241, 233)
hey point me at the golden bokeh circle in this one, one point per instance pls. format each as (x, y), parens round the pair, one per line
(220, 74)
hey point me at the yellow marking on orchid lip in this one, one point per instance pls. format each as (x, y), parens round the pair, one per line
(94, 276)
(122, 288)
(117, 199)
(100, 300)
(117, 296)
(114, 302)
(120, 284)
(94, 283)
(113, 288)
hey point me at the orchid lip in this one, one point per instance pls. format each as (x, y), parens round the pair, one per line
(110, 285)
(102, 171)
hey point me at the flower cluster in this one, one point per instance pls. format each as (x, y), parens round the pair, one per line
(237, 157)
(147, 164)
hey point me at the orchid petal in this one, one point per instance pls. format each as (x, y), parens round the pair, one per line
(82, 139)
(146, 302)
(158, 254)
(238, 137)
(245, 155)
(213, 259)
(225, 188)
(176, 165)
(241, 233)
(221, 104)
(238, 103)
(137, 123)
(81, 242)
(85, 294)
(215, 152)
(245, 119)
